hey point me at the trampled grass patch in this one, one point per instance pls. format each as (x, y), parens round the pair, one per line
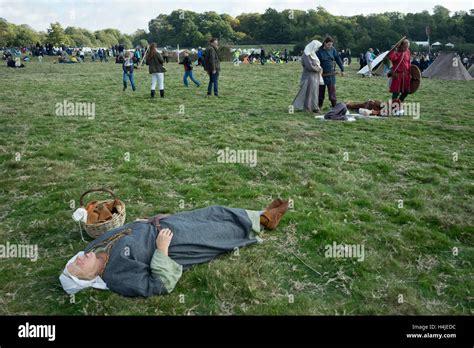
(401, 187)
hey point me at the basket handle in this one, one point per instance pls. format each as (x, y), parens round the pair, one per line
(97, 190)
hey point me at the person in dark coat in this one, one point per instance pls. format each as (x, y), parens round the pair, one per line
(328, 57)
(147, 257)
(349, 56)
(165, 55)
(362, 61)
(155, 62)
(212, 66)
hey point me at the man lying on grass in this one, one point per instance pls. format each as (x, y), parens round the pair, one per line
(146, 258)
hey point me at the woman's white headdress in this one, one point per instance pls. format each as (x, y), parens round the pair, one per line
(71, 284)
(311, 48)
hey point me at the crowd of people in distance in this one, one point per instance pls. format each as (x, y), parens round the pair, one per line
(324, 57)
(260, 56)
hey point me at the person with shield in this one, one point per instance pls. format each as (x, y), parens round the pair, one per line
(400, 75)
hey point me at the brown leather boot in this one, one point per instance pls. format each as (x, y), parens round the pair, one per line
(277, 202)
(272, 216)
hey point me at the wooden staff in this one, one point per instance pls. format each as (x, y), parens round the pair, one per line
(143, 58)
(398, 43)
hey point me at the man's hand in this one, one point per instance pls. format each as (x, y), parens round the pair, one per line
(163, 240)
(214, 71)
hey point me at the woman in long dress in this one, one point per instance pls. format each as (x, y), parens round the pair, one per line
(147, 257)
(307, 97)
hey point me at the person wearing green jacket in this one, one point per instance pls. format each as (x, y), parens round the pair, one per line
(212, 66)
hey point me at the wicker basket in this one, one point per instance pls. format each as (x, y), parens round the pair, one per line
(118, 219)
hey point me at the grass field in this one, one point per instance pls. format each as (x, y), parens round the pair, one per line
(346, 181)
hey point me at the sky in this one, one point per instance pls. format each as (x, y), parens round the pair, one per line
(130, 15)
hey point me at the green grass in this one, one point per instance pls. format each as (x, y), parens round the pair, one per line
(173, 161)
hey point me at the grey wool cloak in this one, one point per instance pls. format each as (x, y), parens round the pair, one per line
(198, 236)
(307, 97)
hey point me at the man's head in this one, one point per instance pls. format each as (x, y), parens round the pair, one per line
(214, 42)
(328, 42)
(371, 50)
(405, 45)
(186, 53)
(85, 266)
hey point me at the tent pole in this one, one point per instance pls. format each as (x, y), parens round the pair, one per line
(143, 58)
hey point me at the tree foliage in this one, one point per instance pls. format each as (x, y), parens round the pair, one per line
(192, 29)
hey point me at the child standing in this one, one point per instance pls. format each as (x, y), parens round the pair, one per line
(188, 70)
(127, 67)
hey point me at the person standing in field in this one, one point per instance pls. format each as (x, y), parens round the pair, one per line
(400, 79)
(200, 56)
(155, 61)
(213, 66)
(362, 62)
(328, 57)
(165, 55)
(127, 68)
(188, 70)
(307, 97)
(369, 58)
(137, 56)
(349, 56)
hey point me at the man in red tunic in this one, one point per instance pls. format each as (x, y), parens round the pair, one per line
(400, 57)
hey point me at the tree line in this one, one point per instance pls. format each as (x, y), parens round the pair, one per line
(12, 35)
(192, 29)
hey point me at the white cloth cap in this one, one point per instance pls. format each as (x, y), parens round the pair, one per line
(71, 284)
(80, 215)
(311, 48)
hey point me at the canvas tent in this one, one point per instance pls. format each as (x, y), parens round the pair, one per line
(471, 70)
(447, 66)
(378, 71)
(375, 62)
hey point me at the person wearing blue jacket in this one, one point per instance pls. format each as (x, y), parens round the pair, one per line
(328, 58)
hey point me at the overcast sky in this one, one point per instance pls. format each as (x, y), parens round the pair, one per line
(129, 15)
